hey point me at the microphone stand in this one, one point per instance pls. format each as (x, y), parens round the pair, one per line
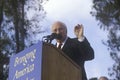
(48, 40)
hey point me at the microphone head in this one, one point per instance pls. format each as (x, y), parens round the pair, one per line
(56, 36)
(49, 38)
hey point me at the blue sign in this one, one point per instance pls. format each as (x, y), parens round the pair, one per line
(27, 64)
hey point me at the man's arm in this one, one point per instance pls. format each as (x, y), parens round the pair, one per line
(86, 50)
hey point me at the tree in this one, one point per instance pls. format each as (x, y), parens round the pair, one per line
(107, 12)
(17, 28)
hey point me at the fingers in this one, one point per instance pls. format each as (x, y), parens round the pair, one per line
(78, 30)
(80, 26)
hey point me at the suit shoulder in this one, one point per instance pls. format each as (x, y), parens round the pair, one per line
(73, 40)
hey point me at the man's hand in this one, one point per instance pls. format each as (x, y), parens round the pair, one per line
(79, 31)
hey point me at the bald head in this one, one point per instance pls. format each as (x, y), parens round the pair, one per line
(59, 24)
(60, 28)
(103, 78)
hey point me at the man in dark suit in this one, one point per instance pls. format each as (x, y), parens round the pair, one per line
(78, 49)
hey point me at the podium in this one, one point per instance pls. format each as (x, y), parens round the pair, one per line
(43, 61)
(56, 65)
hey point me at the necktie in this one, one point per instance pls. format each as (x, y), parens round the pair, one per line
(59, 46)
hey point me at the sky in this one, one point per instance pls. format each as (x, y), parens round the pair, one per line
(73, 12)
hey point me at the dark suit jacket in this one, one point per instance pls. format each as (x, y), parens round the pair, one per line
(79, 52)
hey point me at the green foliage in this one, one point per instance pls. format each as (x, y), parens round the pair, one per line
(107, 12)
(17, 28)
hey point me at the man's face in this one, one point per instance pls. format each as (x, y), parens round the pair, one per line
(59, 28)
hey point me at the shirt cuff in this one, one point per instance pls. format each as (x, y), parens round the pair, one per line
(81, 39)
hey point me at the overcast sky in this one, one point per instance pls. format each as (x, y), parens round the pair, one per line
(73, 12)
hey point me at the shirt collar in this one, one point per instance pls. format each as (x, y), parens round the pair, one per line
(63, 42)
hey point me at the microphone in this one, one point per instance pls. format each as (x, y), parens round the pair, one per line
(52, 36)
